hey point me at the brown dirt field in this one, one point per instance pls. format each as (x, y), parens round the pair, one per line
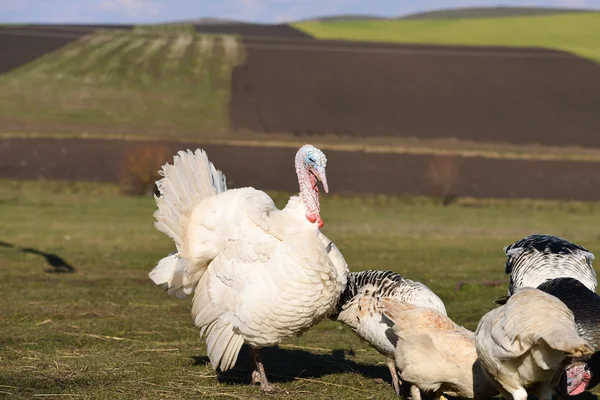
(469, 93)
(19, 46)
(348, 172)
(282, 31)
(76, 27)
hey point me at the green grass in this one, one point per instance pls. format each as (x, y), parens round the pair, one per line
(576, 33)
(491, 12)
(162, 77)
(106, 331)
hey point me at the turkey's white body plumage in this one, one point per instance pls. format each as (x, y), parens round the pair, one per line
(258, 274)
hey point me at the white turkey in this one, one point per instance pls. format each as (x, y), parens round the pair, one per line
(361, 308)
(259, 274)
(538, 258)
(525, 344)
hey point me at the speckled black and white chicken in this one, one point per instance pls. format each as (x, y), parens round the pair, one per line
(360, 307)
(585, 306)
(537, 258)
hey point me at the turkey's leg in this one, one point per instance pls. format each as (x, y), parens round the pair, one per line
(395, 380)
(259, 375)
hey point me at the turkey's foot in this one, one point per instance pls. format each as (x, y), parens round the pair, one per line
(255, 377)
(270, 388)
(259, 375)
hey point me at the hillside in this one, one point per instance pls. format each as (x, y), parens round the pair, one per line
(166, 75)
(346, 17)
(491, 12)
(577, 32)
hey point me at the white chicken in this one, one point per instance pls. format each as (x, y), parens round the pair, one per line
(360, 307)
(525, 344)
(434, 354)
(258, 274)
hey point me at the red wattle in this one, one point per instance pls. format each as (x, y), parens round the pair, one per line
(311, 218)
(321, 223)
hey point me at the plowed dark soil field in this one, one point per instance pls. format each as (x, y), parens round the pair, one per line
(348, 172)
(20, 45)
(280, 31)
(490, 94)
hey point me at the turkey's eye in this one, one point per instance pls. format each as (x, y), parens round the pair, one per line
(310, 159)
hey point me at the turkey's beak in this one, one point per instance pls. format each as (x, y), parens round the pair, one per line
(321, 176)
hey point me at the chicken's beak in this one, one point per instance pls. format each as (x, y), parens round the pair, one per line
(321, 176)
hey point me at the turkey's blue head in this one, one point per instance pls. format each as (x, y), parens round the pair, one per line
(310, 167)
(315, 161)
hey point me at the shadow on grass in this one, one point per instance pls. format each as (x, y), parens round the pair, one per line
(285, 365)
(57, 263)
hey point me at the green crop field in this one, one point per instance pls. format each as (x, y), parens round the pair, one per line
(168, 75)
(102, 330)
(577, 33)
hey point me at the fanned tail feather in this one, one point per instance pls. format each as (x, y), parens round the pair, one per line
(190, 179)
(169, 273)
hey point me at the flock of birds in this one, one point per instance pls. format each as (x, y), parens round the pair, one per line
(259, 274)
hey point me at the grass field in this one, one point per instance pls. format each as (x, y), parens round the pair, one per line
(164, 76)
(576, 33)
(491, 12)
(104, 331)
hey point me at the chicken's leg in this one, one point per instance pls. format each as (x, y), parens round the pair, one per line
(396, 383)
(415, 393)
(259, 375)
